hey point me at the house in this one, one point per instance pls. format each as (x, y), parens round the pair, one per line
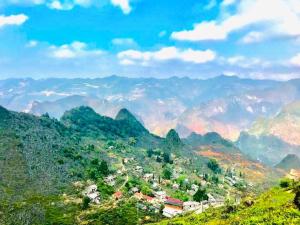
(160, 195)
(110, 180)
(174, 203)
(191, 206)
(211, 198)
(134, 190)
(149, 199)
(139, 169)
(138, 195)
(195, 187)
(118, 195)
(191, 192)
(171, 212)
(92, 193)
(155, 186)
(148, 176)
(175, 186)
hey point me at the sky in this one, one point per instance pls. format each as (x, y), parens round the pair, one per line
(257, 39)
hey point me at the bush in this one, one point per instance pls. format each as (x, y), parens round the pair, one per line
(200, 195)
(85, 202)
(285, 183)
(214, 166)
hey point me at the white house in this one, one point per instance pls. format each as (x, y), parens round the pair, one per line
(148, 176)
(191, 206)
(160, 195)
(171, 212)
(110, 180)
(92, 193)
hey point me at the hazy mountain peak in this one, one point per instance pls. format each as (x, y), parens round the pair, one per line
(291, 161)
(173, 137)
(124, 114)
(3, 112)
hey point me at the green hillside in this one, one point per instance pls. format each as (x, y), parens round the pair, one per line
(276, 206)
(46, 165)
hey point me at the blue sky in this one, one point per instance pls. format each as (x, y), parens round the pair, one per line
(158, 38)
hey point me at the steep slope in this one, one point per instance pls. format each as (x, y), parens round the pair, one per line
(88, 123)
(286, 125)
(289, 162)
(275, 206)
(212, 145)
(32, 154)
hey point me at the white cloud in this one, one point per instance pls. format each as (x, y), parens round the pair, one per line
(228, 2)
(74, 50)
(295, 61)
(253, 37)
(123, 42)
(123, 4)
(245, 62)
(32, 44)
(70, 4)
(12, 20)
(276, 17)
(127, 62)
(211, 4)
(165, 54)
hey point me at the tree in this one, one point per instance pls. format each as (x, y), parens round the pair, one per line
(103, 168)
(214, 166)
(167, 174)
(200, 195)
(167, 158)
(132, 141)
(297, 196)
(85, 202)
(149, 153)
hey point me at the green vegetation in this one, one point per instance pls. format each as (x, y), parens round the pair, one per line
(47, 164)
(276, 206)
(214, 166)
(200, 195)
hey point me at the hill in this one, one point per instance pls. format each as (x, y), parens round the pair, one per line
(48, 164)
(213, 146)
(289, 162)
(276, 206)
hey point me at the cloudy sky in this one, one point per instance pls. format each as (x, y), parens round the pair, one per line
(158, 38)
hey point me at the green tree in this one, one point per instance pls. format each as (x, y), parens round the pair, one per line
(200, 195)
(85, 202)
(214, 166)
(167, 174)
(103, 168)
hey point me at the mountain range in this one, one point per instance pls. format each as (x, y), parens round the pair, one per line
(245, 111)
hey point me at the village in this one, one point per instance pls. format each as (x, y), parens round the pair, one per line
(159, 197)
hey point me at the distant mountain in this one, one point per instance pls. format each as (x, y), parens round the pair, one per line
(172, 143)
(285, 125)
(87, 122)
(268, 149)
(58, 107)
(289, 162)
(226, 105)
(212, 139)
